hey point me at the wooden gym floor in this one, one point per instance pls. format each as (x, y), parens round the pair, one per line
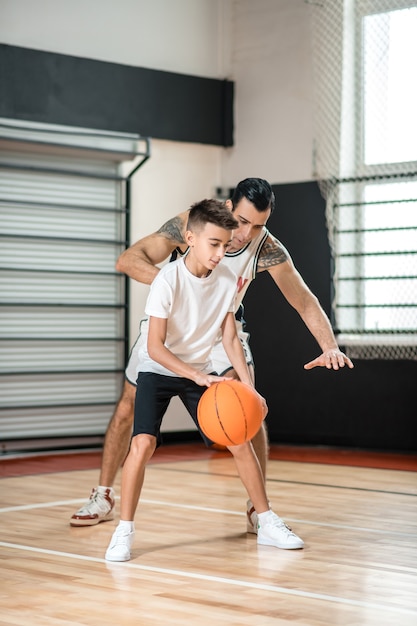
(192, 560)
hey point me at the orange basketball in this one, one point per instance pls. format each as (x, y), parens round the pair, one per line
(230, 412)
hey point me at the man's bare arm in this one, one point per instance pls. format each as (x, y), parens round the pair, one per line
(140, 260)
(272, 253)
(276, 260)
(174, 228)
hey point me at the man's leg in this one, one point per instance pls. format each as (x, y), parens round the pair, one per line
(261, 448)
(100, 506)
(118, 434)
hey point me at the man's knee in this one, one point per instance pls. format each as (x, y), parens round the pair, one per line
(123, 414)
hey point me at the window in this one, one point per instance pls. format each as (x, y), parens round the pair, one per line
(389, 90)
(367, 161)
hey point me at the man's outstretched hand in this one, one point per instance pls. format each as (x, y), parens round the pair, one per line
(332, 359)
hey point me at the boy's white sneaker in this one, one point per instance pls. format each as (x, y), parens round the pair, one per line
(120, 545)
(98, 508)
(276, 533)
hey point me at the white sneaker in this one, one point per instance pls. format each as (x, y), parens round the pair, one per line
(276, 533)
(99, 508)
(251, 518)
(120, 545)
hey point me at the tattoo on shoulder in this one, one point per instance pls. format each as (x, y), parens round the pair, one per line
(173, 230)
(272, 253)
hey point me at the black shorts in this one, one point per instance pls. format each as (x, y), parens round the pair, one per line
(153, 393)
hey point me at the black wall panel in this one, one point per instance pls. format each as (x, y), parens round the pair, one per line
(373, 406)
(59, 89)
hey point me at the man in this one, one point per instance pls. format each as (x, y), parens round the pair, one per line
(253, 249)
(191, 302)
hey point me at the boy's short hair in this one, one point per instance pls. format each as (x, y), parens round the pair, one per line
(210, 212)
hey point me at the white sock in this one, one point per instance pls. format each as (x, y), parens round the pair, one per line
(249, 505)
(128, 527)
(264, 517)
(102, 488)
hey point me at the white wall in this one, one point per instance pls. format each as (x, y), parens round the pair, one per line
(272, 69)
(176, 175)
(183, 36)
(263, 45)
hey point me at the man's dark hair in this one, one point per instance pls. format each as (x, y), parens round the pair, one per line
(256, 190)
(210, 211)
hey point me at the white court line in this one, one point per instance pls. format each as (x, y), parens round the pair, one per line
(218, 579)
(43, 505)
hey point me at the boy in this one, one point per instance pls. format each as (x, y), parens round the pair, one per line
(188, 305)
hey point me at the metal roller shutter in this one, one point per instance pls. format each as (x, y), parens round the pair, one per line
(63, 335)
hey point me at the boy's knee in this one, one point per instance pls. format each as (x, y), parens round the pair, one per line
(143, 445)
(241, 450)
(261, 435)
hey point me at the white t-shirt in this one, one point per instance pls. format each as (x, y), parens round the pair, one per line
(195, 309)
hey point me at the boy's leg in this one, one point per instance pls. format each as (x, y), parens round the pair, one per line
(272, 530)
(260, 440)
(250, 473)
(133, 474)
(155, 392)
(141, 450)
(100, 506)
(222, 366)
(261, 448)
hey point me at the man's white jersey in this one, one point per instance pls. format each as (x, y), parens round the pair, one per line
(244, 263)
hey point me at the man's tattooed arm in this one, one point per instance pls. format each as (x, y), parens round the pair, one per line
(173, 230)
(272, 253)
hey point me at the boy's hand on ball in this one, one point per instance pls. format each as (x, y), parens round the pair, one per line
(205, 380)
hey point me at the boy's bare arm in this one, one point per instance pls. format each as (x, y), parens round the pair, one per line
(161, 354)
(234, 350)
